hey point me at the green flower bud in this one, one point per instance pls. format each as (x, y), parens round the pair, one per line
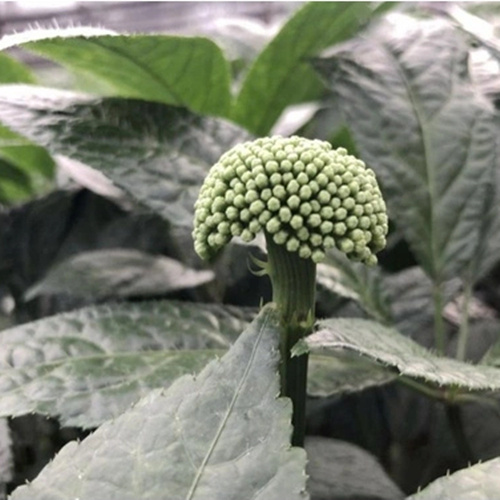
(279, 192)
(264, 217)
(296, 222)
(305, 209)
(318, 256)
(292, 245)
(293, 187)
(273, 225)
(303, 193)
(316, 239)
(305, 252)
(273, 204)
(257, 207)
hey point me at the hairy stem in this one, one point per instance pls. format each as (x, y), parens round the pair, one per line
(294, 283)
(463, 334)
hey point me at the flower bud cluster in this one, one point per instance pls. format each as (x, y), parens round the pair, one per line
(301, 192)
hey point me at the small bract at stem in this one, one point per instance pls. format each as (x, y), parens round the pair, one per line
(307, 198)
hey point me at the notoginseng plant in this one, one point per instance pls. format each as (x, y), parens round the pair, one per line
(306, 198)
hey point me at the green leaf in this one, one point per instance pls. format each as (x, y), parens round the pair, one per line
(156, 153)
(480, 482)
(491, 254)
(89, 365)
(343, 373)
(101, 274)
(425, 130)
(184, 71)
(281, 75)
(12, 71)
(340, 470)
(34, 160)
(15, 185)
(409, 293)
(386, 347)
(223, 434)
(30, 168)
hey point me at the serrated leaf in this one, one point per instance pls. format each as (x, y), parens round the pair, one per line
(158, 154)
(184, 71)
(281, 74)
(223, 434)
(12, 71)
(425, 130)
(386, 347)
(118, 273)
(88, 366)
(480, 482)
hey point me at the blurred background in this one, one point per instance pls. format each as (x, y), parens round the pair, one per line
(241, 27)
(63, 210)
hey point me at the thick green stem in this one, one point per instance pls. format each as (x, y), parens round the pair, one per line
(439, 330)
(294, 284)
(463, 334)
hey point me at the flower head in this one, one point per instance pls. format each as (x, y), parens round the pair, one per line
(301, 192)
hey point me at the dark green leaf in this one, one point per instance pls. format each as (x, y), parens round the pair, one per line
(88, 366)
(118, 273)
(223, 434)
(343, 373)
(386, 347)
(158, 154)
(409, 293)
(342, 470)
(12, 71)
(183, 71)
(425, 130)
(281, 75)
(480, 482)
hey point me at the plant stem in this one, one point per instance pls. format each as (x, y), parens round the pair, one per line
(294, 286)
(463, 334)
(422, 388)
(439, 333)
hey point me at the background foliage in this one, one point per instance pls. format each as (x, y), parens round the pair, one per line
(107, 313)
